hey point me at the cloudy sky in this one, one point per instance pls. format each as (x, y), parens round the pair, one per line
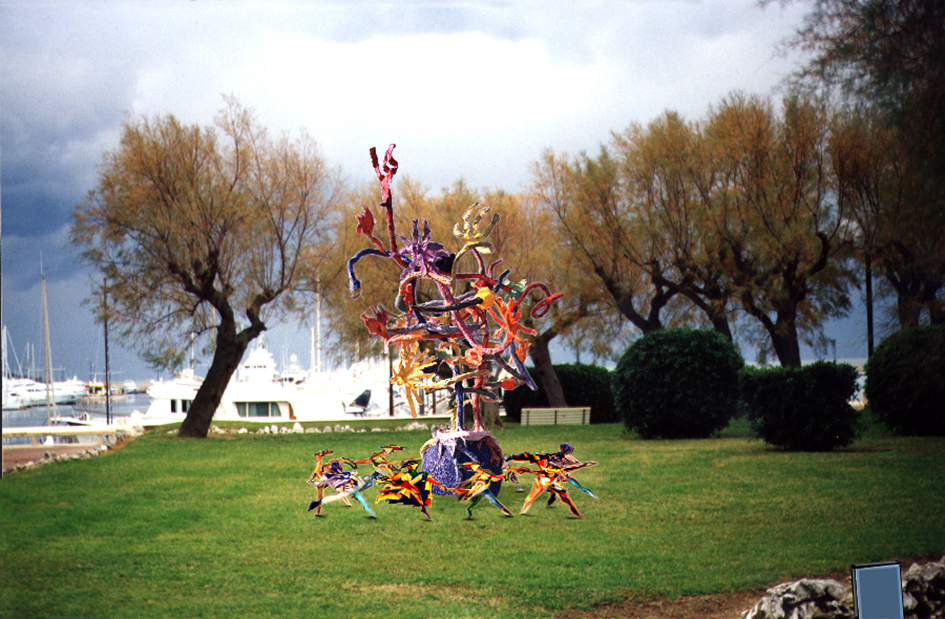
(467, 89)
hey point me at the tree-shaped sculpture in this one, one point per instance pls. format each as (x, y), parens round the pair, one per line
(476, 322)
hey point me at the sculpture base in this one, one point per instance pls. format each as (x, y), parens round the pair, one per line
(444, 454)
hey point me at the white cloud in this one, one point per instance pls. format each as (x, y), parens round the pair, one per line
(466, 89)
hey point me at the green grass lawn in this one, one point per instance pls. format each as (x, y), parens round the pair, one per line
(219, 528)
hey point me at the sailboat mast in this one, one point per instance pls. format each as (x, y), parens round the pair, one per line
(108, 386)
(49, 376)
(7, 372)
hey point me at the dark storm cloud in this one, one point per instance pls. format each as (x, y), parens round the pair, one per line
(25, 259)
(63, 94)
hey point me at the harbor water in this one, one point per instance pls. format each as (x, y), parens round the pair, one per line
(36, 416)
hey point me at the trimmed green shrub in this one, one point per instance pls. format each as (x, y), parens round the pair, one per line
(583, 385)
(905, 381)
(802, 409)
(678, 383)
(589, 385)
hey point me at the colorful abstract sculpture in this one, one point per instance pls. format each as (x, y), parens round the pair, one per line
(478, 489)
(345, 484)
(316, 476)
(407, 484)
(476, 322)
(564, 459)
(554, 470)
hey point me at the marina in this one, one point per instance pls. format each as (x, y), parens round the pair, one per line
(37, 416)
(257, 394)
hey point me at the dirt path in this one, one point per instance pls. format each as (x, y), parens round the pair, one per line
(20, 455)
(13, 457)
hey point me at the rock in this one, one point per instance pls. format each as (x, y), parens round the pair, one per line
(242, 431)
(327, 429)
(415, 425)
(923, 589)
(297, 428)
(803, 599)
(909, 603)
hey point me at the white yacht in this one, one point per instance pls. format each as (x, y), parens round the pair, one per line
(259, 393)
(26, 392)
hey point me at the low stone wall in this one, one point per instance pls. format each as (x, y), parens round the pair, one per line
(298, 429)
(923, 589)
(923, 597)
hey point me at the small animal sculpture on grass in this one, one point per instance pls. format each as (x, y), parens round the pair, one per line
(476, 488)
(404, 482)
(346, 485)
(316, 476)
(564, 459)
(554, 470)
(407, 484)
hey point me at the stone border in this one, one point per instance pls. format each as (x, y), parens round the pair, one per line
(923, 596)
(298, 429)
(75, 451)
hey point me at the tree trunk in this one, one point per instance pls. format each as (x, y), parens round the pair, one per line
(782, 330)
(545, 373)
(868, 263)
(908, 310)
(489, 415)
(785, 342)
(936, 313)
(908, 289)
(227, 355)
(714, 309)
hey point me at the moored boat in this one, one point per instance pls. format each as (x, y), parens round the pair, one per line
(26, 392)
(258, 393)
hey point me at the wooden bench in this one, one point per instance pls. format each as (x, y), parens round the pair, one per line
(556, 416)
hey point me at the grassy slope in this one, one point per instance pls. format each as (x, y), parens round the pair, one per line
(213, 528)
